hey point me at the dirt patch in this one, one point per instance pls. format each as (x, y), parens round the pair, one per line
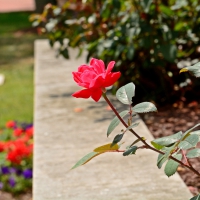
(7, 196)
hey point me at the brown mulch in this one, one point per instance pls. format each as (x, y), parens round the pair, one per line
(8, 196)
(170, 120)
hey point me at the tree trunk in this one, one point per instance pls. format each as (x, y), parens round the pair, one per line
(41, 3)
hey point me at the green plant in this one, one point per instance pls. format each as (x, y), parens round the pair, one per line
(174, 150)
(151, 39)
(16, 151)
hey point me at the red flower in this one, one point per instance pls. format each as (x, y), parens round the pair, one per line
(18, 151)
(18, 132)
(10, 124)
(29, 132)
(2, 146)
(94, 78)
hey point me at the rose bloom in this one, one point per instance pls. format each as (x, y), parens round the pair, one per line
(94, 78)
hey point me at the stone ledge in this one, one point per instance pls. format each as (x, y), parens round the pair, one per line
(63, 136)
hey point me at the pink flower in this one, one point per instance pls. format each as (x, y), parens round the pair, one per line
(94, 78)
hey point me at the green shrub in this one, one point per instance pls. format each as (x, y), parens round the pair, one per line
(152, 40)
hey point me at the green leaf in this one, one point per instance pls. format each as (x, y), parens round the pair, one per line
(3, 156)
(195, 69)
(117, 139)
(106, 148)
(115, 122)
(171, 166)
(146, 5)
(126, 93)
(166, 10)
(144, 107)
(162, 158)
(195, 132)
(133, 125)
(169, 52)
(187, 133)
(189, 142)
(157, 146)
(65, 53)
(194, 153)
(168, 140)
(196, 197)
(130, 52)
(130, 151)
(86, 159)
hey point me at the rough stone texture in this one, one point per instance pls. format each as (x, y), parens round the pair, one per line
(63, 136)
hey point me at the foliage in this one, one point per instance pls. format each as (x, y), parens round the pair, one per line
(152, 40)
(16, 151)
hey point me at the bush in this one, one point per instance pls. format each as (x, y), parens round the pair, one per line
(152, 40)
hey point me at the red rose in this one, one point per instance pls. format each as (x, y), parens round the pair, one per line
(94, 78)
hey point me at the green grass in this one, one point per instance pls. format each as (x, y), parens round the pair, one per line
(11, 22)
(16, 63)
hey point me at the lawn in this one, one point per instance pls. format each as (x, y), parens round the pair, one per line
(16, 64)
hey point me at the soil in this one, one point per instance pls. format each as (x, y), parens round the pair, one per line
(8, 196)
(170, 120)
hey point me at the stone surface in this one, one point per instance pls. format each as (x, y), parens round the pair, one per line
(67, 128)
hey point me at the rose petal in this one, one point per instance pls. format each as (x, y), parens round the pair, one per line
(96, 94)
(98, 66)
(110, 67)
(76, 76)
(87, 76)
(97, 83)
(92, 61)
(83, 68)
(111, 78)
(86, 93)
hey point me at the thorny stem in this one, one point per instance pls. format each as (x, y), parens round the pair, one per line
(146, 145)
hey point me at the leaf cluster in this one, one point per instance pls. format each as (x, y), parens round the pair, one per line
(182, 146)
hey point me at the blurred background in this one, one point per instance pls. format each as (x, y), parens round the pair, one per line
(150, 40)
